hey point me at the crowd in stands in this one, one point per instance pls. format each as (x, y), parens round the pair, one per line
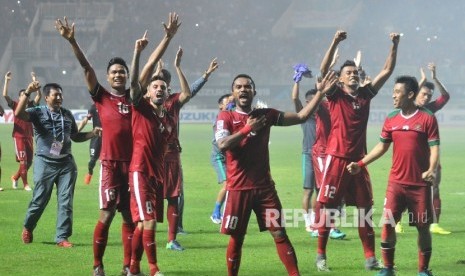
(228, 29)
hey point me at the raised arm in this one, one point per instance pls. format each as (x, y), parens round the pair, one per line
(422, 78)
(442, 89)
(389, 65)
(329, 57)
(136, 91)
(185, 90)
(8, 100)
(20, 111)
(170, 31)
(324, 86)
(67, 32)
(198, 84)
(295, 97)
(38, 96)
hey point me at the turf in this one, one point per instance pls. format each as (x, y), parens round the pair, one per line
(205, 247)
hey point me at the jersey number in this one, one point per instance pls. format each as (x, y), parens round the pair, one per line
(330, 191)
(231, 222)
(123, 108)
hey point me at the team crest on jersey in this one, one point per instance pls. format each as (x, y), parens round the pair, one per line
(161, 128)
(417, 127)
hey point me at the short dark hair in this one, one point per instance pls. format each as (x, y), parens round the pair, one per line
(243, 76)
(50, 86)
(21, 91)
(310, 92)
(410, 83)
(223, 97)
(158, 77)
(117, 60)
(429, 85)
(347, 63)
(166, 75)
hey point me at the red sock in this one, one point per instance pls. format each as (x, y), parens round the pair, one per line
(172, 215)
(137, 250)
(100, 242)
(423, 259)
(367, 236)
(437, 208)
(23, 172)
(148, 240)
(287, 255)
(323, 232)
(233, 255)
(127, 232)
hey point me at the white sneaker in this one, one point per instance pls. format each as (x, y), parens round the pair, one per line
(14, 183)
(27, 188)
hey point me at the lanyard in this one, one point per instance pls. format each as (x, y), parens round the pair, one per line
(53, 126)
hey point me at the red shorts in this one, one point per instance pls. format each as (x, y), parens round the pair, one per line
(114, 186)
(146, 198)
(238, 207)
(173, 175)
(24, 149)
(416, 199)
(318, 163)
(339, 184)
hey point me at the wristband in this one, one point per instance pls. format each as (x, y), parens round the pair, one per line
(361, 164)
(246, 130)
(27, 94)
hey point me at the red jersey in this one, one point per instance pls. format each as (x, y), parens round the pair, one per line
(149, 141)
(412, 137)
(115, 115)
(248, 164)
(349, 119)
(173, 107)
(437, 104)
(323, 127)
(21, 129)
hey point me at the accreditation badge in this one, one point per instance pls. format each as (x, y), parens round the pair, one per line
(56, 147)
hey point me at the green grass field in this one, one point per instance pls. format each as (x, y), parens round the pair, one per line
(205, 247)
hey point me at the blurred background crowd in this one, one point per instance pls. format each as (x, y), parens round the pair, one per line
(261, 38)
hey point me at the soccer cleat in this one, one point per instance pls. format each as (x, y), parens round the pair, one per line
(125, 271)
(216, 218)
(181, 231)
(87, 178)
(14, 182)
(1, 189)
(436, 229)
(425, 272)
(373, 264)
(98, 271)
(65, 244)
(336, 234)
(399, 228)
(27, 188)
(27, 236)
(314, 234)
(386, 272)
(158, 274)
(321, 265)
(174, 245)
